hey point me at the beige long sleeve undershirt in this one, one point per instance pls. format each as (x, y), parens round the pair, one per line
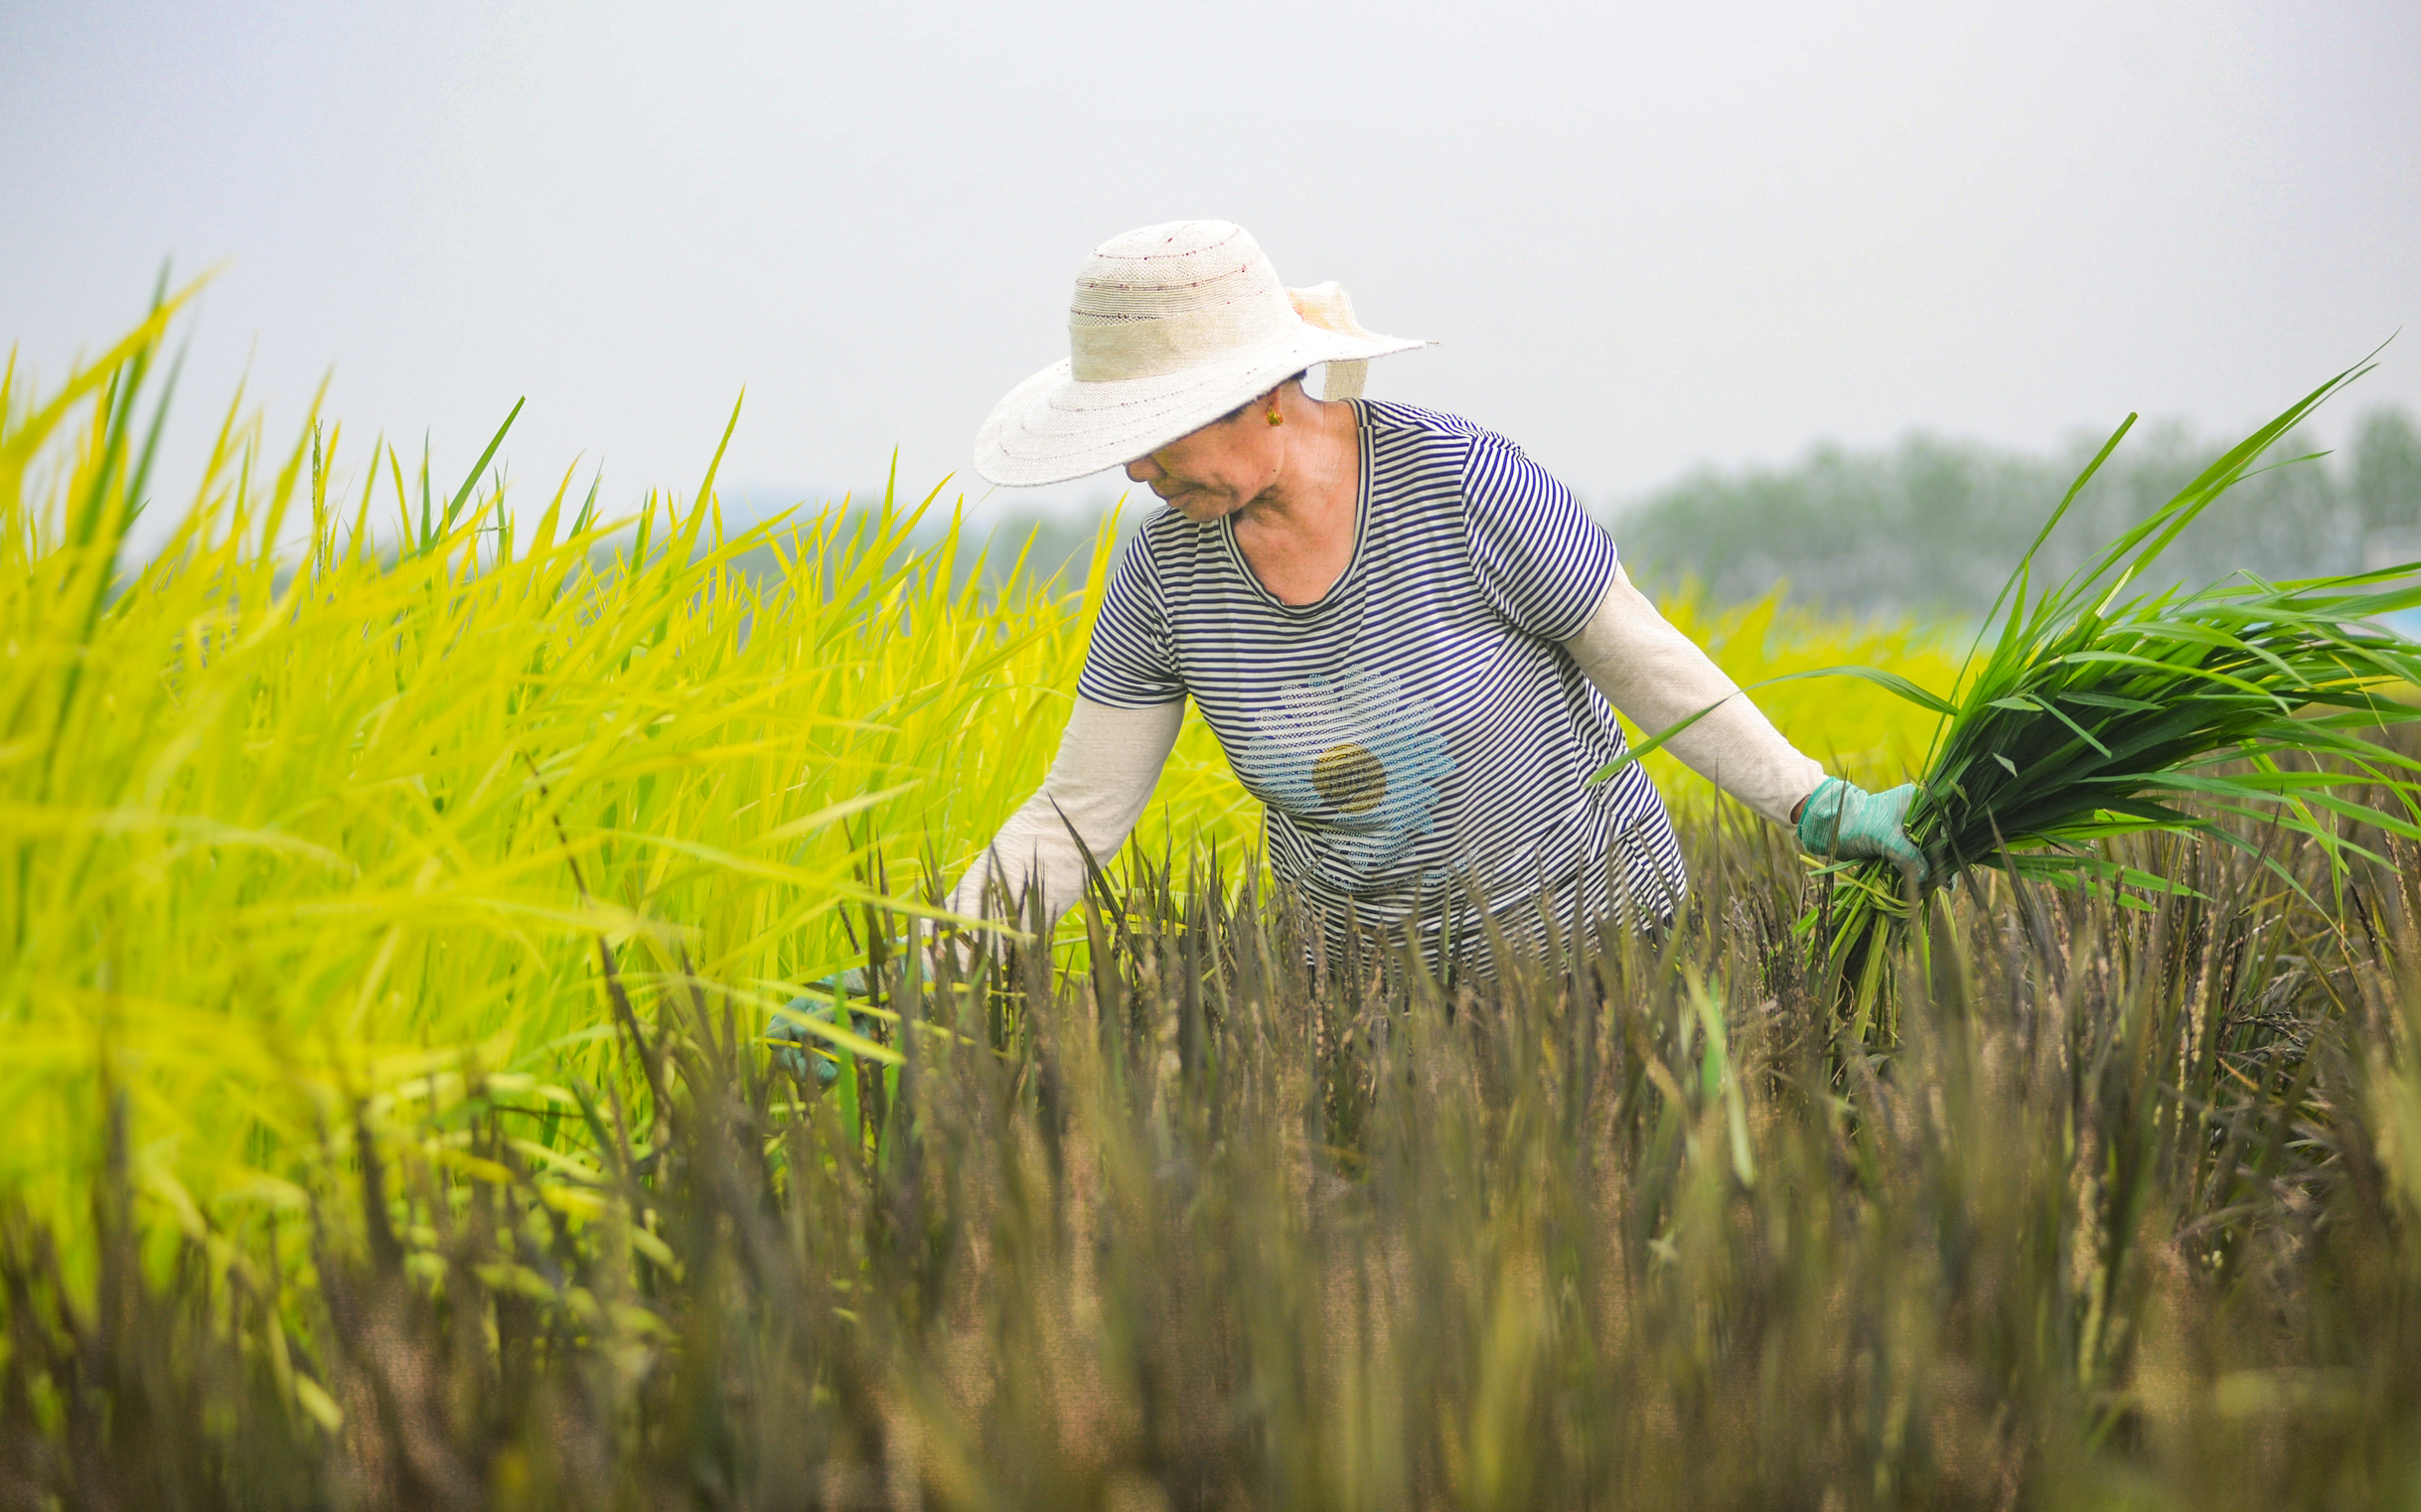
(1109, 758)
(1656, 677)
(1108, 761)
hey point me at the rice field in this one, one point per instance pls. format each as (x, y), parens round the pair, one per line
(402, 874)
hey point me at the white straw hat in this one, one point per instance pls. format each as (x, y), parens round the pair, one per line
(1172, 326)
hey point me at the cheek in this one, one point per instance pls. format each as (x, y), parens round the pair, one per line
(1177, 460)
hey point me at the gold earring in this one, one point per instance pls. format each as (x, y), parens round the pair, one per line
(1275, 417)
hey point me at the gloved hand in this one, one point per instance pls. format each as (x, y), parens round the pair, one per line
(1843, 822)
(794, 1043)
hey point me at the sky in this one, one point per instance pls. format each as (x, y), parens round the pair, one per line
(1644, 237)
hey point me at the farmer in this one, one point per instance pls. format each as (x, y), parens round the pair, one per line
(1409, 639)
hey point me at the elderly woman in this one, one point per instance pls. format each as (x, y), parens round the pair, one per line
(1407, 638)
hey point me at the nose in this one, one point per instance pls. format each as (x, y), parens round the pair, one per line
(1145, 469)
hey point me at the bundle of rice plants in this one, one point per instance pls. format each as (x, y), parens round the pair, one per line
(2107, 710)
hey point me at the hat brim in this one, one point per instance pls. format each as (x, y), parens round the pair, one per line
(1053, 429)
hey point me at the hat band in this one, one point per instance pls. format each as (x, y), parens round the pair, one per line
(1137, 349)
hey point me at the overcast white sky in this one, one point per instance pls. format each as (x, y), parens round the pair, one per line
(1646, 236)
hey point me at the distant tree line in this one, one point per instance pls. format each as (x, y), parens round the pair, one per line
(1932, 527)
(1928, 527)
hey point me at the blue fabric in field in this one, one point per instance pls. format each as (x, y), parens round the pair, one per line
(1419, 733)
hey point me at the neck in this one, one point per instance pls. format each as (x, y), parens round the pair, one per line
(1298, 534)
(1320, 478)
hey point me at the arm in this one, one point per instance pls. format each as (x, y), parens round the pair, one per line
(1109, 760)
(1657, 677)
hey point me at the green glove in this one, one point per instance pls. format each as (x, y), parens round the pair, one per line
(794, 1042)
(1845, 822)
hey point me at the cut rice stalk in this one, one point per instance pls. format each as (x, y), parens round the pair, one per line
(2099, 714)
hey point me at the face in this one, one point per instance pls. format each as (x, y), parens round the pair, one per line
(1218, 469)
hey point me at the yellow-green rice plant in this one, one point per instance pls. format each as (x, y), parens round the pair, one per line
(350, 781)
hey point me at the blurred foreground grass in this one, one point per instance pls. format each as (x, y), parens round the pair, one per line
(389, 924)
(2128, 1220)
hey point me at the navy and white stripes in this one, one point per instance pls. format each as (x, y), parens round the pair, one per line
(1419, 735)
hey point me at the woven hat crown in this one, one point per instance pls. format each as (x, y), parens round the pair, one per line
(1174, 296)
(1172, 327)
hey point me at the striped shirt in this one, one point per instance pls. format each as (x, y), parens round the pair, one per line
(1417, 735)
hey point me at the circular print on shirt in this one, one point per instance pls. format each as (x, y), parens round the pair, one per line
(1350, 778)
(1356, 764)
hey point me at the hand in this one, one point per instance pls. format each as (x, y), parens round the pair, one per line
(794, 1042)
(1843, 822)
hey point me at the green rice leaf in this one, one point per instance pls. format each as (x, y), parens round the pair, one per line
(2108, 710)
